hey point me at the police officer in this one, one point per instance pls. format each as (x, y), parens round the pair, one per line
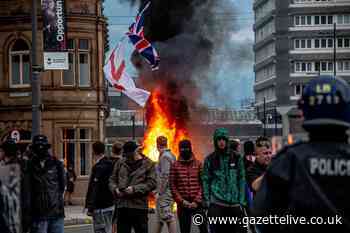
(311, 179)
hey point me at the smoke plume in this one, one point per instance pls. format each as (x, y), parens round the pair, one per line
(194, 41)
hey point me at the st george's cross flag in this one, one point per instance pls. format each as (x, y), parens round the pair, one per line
(117, 76)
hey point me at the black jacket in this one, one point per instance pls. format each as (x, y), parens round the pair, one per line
(98, 195)
(47, 179)
(311, 180)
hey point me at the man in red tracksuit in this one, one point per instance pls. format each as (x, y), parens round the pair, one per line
(185, 185)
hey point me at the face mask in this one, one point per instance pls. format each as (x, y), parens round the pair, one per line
(129, 155)
(41, 151)
(185, 153)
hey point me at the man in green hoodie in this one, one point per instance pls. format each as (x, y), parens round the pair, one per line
(224, 184)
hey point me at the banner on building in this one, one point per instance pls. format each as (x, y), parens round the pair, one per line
(10, 205)
(55, 35)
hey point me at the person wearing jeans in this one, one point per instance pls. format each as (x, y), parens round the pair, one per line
(48, 225)
(99, 199)
(186, 188)
(47, 182)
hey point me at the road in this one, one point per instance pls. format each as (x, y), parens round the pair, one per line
(87, 228)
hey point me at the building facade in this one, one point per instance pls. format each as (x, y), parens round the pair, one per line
(74, 103)
(294, 42)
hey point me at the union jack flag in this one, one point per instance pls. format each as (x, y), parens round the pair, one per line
(146, 50)
(137, 27)
(141, 44)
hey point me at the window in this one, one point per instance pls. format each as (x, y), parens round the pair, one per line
(330, 19)
(68, 76)
(298, 89)
(317, 66)
(317, 43)
(323, 19)
(309, 66)
(309, 20)
(330, 66)
(303, 66)
(346, 19)
(309, 44)
(317, 20)
(340, 66)
(84, 63)
(340, 43)
(19, 64)
(343, 66)
(303, 43)
(324, 43)
(77, 142)
(347, 42)
(84, 149)
(330, 43)
(340, 19)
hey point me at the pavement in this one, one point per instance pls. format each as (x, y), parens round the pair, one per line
(76, 221)
(76, 216)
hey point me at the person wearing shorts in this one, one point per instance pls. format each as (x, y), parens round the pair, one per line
(164, 200)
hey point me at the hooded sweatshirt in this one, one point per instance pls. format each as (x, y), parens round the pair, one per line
(223, 175)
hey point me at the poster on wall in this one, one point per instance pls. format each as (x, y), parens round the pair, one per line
(10, 216)
(55, 35)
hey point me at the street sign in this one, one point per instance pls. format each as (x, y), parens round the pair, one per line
(56, 61)
(15, 135)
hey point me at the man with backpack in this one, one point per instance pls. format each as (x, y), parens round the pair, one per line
(224, 184)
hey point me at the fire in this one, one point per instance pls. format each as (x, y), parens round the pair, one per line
(161, 122)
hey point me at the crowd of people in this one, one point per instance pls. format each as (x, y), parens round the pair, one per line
(232, 181)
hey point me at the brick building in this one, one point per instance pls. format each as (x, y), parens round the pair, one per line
(74, 101)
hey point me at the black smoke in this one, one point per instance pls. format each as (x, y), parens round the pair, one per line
(191, 38)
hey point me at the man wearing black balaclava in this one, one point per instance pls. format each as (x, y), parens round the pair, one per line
(132, 180)
(47, 178)
(186, 188)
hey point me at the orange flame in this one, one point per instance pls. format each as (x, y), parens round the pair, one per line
(161, 123)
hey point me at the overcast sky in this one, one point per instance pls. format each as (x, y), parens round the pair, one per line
(119, 18)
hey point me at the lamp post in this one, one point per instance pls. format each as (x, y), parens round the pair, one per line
(264, 117)
(36, 90)
(335, 48)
